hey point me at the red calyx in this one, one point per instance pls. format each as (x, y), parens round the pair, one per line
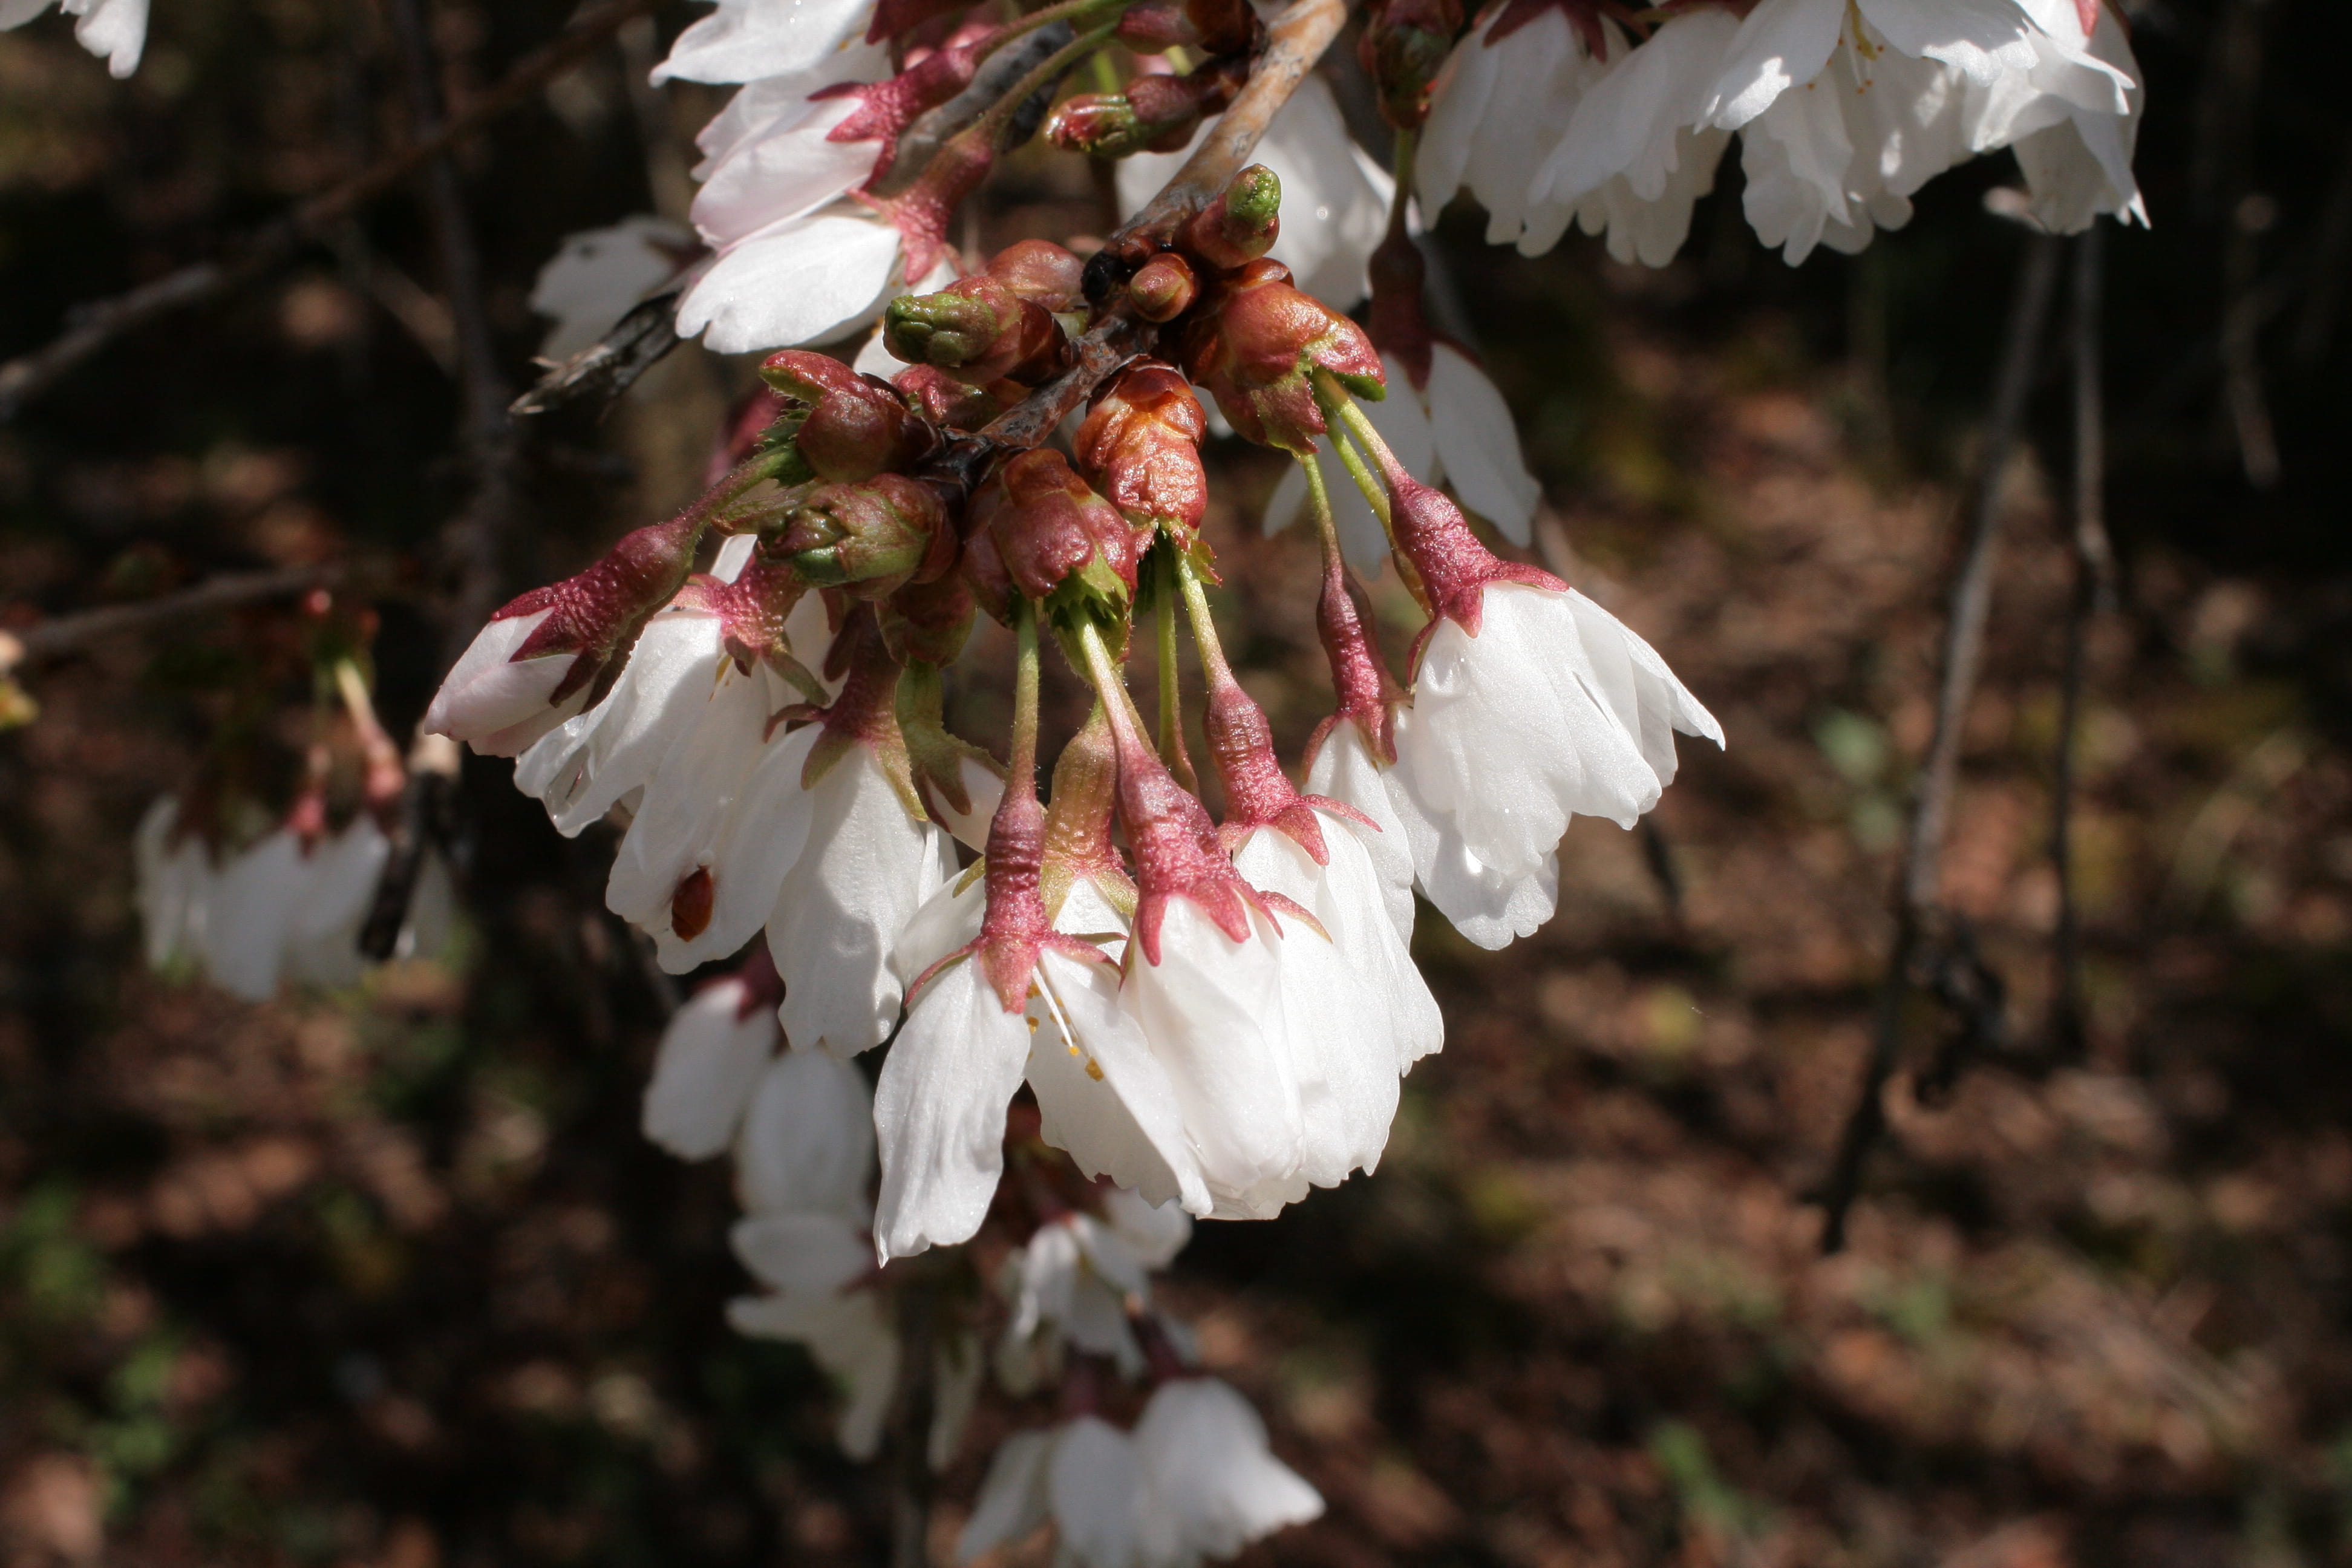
(1257, 793)
(897, 19)
(1176, 848)
(1397, 324)
(886, 107)
(597, 614)
(1367, 692)
(922, 212)
(1454, 567)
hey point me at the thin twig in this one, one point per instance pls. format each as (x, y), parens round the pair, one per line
(69, 634)
(2093, 593)
(1293, 43)
(474, 541)
(1916, 886)
(97, 324)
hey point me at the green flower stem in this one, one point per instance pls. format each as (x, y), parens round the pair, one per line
(1021, 778)
(1172, 696)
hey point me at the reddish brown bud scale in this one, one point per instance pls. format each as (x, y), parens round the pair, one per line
(872, 537)
(1041, 272)
(928, 621)
(1213, 27)
(1142, 444)
(981, 329)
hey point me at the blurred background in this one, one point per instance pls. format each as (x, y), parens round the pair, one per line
(388, 1277)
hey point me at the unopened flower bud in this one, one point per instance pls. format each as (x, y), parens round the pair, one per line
(979, 328)
(1155, 112)
(1038, 530)
(1257, 348)
(1403, 47)
(952, 403)
(857, 426)
(869, 537)
(1041, 272)
(1240, 225)
(1164, 289)
(1141, 443)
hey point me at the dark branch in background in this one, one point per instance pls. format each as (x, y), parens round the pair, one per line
(96, 325)
(473, 544)
(1929, 946)
(601, 372)
(910, 1429)
(66, 634)
(2094, 593)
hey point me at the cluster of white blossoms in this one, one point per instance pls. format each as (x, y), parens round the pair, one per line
(1554, 113)
(1107, 1010)
(251, 902)
(1191, 1477)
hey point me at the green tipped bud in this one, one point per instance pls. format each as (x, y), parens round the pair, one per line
(871, 537)
(949, 329)
(1240, 225)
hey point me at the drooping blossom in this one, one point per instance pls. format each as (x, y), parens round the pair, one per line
(1194, 1478)
(113, 30)
(1454, 430)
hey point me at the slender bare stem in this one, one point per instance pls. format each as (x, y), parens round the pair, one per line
(1917, 884)
(30, 376)
(1021, 776)
(1171, 698)
(69, 634)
